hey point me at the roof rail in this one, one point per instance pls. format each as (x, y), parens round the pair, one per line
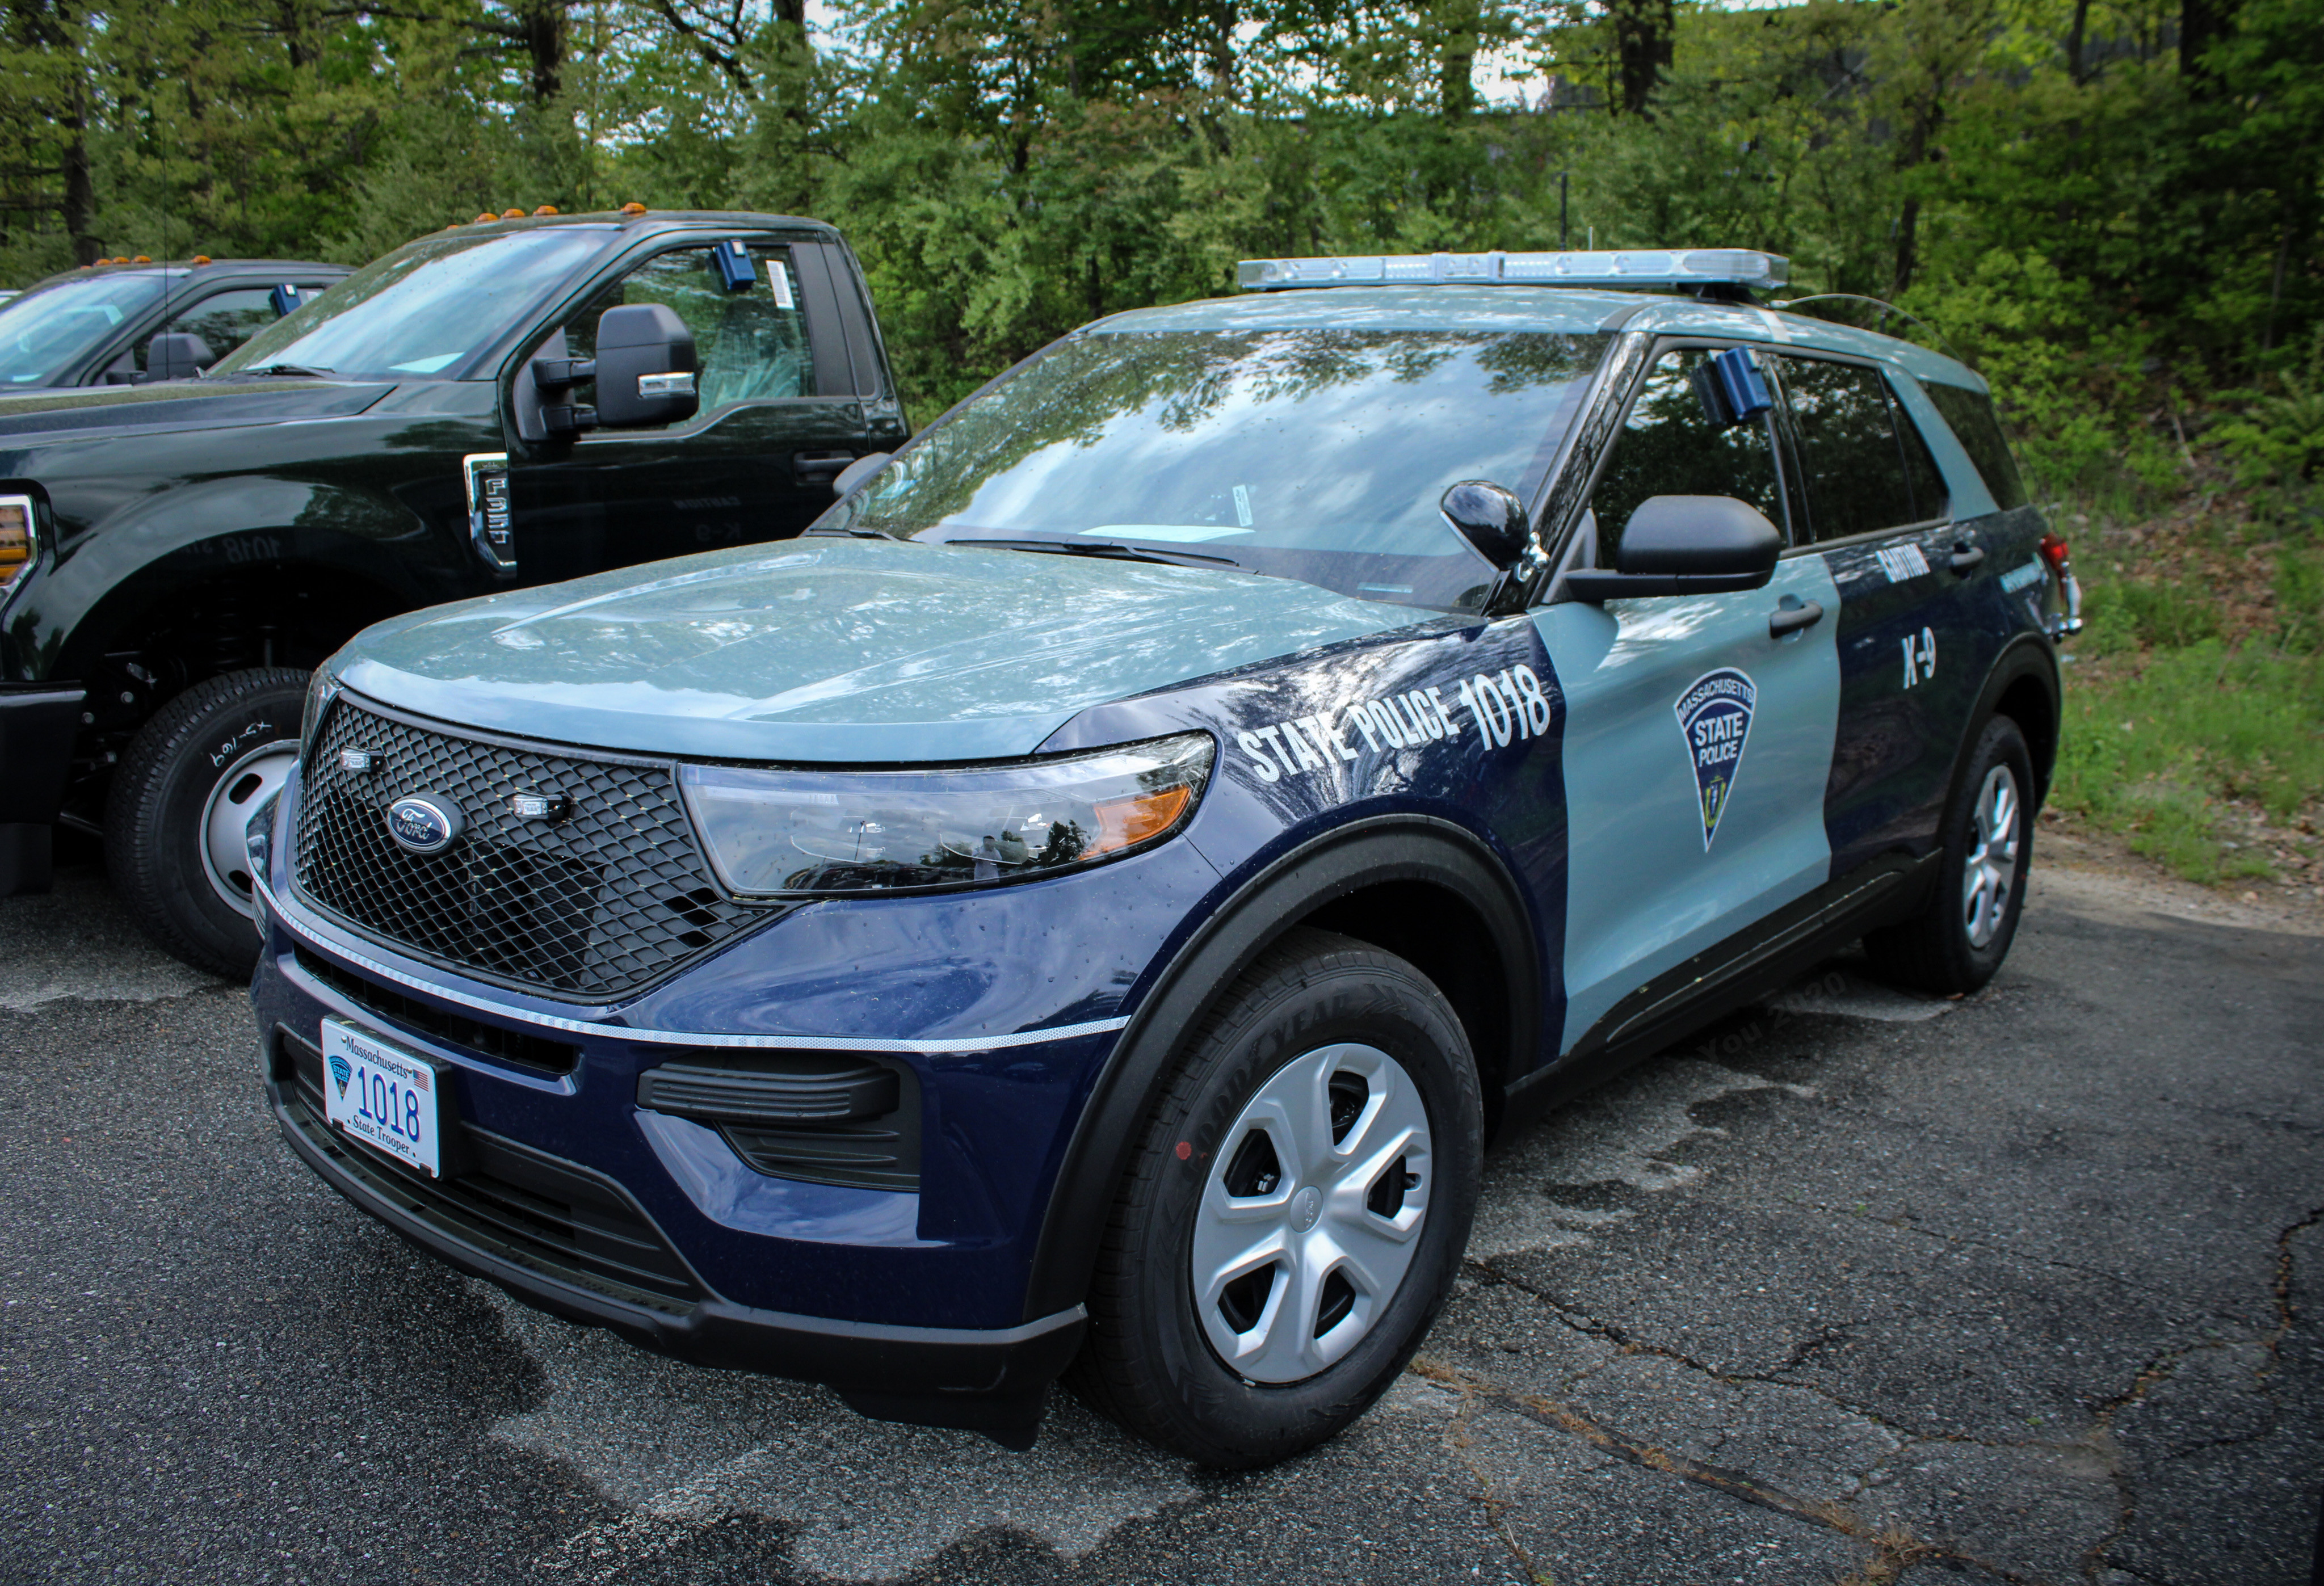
(1736, 267)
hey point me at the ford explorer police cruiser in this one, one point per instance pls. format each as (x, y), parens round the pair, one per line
(1083, 908)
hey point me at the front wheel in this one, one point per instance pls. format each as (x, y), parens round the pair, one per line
(1957, 943)
(181, 798)
(1295, 1213)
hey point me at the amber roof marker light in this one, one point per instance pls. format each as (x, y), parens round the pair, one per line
(633, 207)
(546, 209)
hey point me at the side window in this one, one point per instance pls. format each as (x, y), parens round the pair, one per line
(1852, 464)
(1930, 499)
(1673, 446)
(750, 345)
(1969, 415)
(224, 320)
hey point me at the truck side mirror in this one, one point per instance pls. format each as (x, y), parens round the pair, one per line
(844, 482)
(1686, 545)
(646, 367)
(178, 356)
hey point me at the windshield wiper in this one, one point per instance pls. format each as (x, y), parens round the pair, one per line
(855, 533)
(308, 370)
(1101, 548)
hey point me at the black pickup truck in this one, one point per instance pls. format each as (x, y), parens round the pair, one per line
(507, 402)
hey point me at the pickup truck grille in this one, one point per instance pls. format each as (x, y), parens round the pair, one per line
(603, 901)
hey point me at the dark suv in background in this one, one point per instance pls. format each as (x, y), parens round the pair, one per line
(176, 557)
(97, 325)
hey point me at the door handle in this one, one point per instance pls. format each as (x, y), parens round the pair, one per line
(1966, 557)
(1791, 616)
(819, 467)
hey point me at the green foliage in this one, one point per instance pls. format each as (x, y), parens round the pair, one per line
(2278, 438)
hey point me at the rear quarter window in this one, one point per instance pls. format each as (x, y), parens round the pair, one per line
(1969, 415)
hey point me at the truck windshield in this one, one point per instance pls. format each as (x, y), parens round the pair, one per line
(1304, 453)
(43, 333)
(425, 311)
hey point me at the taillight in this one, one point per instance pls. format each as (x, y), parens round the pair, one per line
(2053, 551)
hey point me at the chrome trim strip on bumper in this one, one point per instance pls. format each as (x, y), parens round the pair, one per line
(1064, 1032)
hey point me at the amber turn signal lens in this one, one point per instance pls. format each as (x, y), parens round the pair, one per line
(483, 219)
(144, 259)
(633, 207)
(201, 258)
(512, 214)
(546, 209)
(1124, 823)
(16, 538)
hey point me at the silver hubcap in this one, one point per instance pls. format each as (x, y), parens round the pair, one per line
(1992, 857)
(247, 783)
(1311, 1212)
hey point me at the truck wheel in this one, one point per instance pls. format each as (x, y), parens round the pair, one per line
(1955, 944)
(1295, 1213)
(180, 799)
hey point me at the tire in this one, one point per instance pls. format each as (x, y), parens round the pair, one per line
(1956, 943)
(1394, 1123)
(172, 817)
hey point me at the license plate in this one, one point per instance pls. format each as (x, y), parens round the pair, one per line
(382, 1095)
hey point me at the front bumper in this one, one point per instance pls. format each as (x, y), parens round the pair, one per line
(37, 725)
(989, 1380)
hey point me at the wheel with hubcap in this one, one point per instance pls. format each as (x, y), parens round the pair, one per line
(1296, 1211)
(1958, 942)
(180, 804)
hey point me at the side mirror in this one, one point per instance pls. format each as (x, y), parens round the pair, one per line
(179, 356)
(1490, 518)
(845, 483)
(1686, 545)
(646, 367)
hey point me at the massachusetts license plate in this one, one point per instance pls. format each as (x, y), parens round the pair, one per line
(382, 1095)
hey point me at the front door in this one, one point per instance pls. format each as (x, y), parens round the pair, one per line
(1697, 740)
(754, 463)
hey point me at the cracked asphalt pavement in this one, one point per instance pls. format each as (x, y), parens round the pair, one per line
(1854, 1287)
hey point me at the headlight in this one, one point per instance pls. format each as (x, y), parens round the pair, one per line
(820, 833)
(321, 689)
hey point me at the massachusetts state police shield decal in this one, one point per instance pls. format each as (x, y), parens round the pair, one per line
(1715, 715)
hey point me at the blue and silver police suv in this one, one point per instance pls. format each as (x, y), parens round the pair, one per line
(1083, 908)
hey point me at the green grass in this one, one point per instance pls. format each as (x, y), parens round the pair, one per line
(2172, 747)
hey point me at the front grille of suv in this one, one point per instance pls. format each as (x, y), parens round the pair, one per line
(605, 901)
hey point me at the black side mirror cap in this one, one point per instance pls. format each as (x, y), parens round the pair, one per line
(176, 355)
(1686, 545)
(646, 367)
(1490, 519)
(845, 483)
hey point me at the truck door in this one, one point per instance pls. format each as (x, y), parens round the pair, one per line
(781, 412)
(1912, 661)
(1698, 732)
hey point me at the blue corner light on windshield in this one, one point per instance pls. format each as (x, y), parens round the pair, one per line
(774, 833)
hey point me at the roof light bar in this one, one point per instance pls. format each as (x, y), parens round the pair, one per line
(1648, 267)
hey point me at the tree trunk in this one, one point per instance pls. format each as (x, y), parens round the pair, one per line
(2201, 25)
(80, 192)
(1908, 242)
(2074, 42)
(1645, 36)
(543, 25)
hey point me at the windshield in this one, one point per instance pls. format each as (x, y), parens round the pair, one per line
(424, 312)
(44, 333)
(1310, 454)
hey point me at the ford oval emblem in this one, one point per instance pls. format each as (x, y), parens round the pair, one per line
(424, 823)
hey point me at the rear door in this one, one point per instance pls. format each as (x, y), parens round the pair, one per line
(1912, 661)
(1697, 740)
(781, 414)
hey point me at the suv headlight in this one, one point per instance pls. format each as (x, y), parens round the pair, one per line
(321, 689)
(773, 832)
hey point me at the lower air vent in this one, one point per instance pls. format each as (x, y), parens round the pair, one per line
(844, 1121)
(393, 1006)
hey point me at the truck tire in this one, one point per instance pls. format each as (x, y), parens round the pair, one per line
(1296, 1211)
(1954, 946)
(179, 799)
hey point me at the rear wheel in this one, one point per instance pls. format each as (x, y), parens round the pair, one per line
(1295, 1213)
(181, 798)
(1959, 941)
